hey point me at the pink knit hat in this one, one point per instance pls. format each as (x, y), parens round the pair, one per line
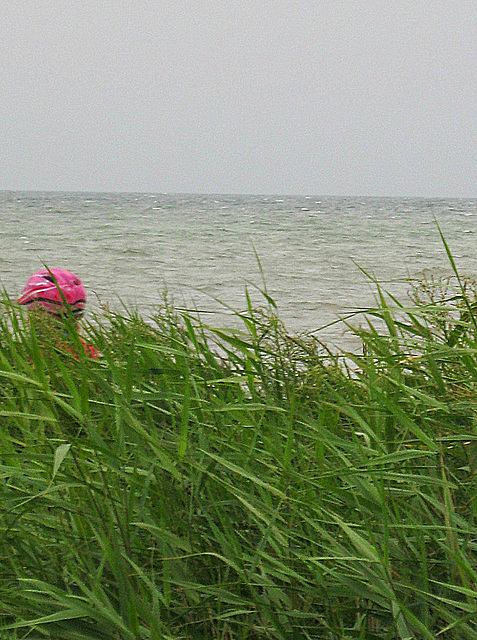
(51, 289)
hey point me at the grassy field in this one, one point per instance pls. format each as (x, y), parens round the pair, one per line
(197, 483)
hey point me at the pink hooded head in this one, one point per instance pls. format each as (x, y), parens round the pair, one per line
(50, 288)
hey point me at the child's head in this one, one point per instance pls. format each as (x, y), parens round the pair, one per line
(55, 291)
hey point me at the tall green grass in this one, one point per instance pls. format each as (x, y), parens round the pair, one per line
(197, 482)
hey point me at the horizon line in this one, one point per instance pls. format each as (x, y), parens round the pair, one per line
(152, 192)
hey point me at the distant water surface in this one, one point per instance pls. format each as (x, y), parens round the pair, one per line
(203, 248)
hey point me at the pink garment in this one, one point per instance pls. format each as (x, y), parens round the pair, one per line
(51, 289)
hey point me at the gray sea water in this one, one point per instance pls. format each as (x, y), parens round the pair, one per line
(128, 248)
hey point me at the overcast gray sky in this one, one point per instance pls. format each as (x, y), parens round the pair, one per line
(328, 97)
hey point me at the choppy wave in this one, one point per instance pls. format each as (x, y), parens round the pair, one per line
(312, 249)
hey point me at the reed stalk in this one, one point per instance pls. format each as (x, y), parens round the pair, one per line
(196, 482)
